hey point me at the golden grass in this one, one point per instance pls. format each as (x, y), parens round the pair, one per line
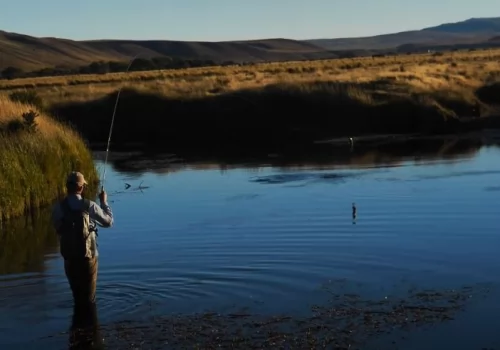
(33, 166)
(456, 72)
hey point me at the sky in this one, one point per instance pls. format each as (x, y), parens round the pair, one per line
(220, 20)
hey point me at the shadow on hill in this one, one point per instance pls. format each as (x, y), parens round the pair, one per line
(489, 93)
(275, 118)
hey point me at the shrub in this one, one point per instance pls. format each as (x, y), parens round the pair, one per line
(27, 97)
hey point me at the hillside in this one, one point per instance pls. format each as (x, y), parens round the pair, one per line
(471, 31)
(31, 53)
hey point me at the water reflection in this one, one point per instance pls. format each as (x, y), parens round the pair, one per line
(84, 331)
(26, 242)
(319, 157)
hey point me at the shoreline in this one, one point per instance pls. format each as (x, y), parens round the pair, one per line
(382, 150)
(341, 321)
(277, 119)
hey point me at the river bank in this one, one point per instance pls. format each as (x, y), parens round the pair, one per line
(272, 119)
(272, 108)
(36, 154)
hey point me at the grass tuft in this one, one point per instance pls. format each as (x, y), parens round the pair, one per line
(36, 153)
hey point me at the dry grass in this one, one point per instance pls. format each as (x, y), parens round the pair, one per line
(273, 107)
(33, 166)
(455, 72)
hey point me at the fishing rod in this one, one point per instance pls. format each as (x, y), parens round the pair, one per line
(103, 177)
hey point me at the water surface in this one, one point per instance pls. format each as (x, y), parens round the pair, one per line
(212, 236)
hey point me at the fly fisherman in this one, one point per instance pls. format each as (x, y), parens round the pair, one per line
(75, 220)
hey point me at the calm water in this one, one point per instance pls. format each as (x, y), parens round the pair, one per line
(210, 237)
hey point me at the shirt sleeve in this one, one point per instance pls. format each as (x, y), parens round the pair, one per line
(102, 215)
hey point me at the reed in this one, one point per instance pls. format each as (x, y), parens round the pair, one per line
(35, 159)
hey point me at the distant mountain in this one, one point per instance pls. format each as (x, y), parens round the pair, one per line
(471, 31)
(31, 53)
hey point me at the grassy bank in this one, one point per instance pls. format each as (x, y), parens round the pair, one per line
(272, 106)
(35, 159)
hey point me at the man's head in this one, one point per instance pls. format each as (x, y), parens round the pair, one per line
(75, 182)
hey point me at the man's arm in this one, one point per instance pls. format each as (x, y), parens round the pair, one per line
(102, 215)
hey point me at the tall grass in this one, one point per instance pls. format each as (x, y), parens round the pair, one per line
(34, 164)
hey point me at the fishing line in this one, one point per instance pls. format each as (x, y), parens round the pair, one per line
(103, 177)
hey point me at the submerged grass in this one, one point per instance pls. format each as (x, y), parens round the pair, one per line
(346, 321)
(34, 162)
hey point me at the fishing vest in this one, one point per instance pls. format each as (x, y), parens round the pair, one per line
(76, 239)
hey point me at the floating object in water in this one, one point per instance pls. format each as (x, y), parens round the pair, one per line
(354, 211)
(141, 187)
(132, 189)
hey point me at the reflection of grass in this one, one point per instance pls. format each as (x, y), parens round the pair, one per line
(34, 160)
(24, 243)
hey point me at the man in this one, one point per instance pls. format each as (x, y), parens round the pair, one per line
(75, 220)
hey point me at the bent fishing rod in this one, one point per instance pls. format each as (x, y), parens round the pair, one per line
(103, 177)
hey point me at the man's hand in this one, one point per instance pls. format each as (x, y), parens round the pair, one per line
(103, 197)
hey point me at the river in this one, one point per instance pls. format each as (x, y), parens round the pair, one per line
(206, 236)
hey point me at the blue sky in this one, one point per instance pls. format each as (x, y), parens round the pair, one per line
(216, 20)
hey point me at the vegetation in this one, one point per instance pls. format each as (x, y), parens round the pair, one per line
(36, 153)
(280, 104)
(103, 67)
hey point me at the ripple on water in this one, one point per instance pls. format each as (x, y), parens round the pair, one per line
(233, 241)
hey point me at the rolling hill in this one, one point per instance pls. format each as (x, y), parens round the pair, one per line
(32, 53)
(471, 31)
